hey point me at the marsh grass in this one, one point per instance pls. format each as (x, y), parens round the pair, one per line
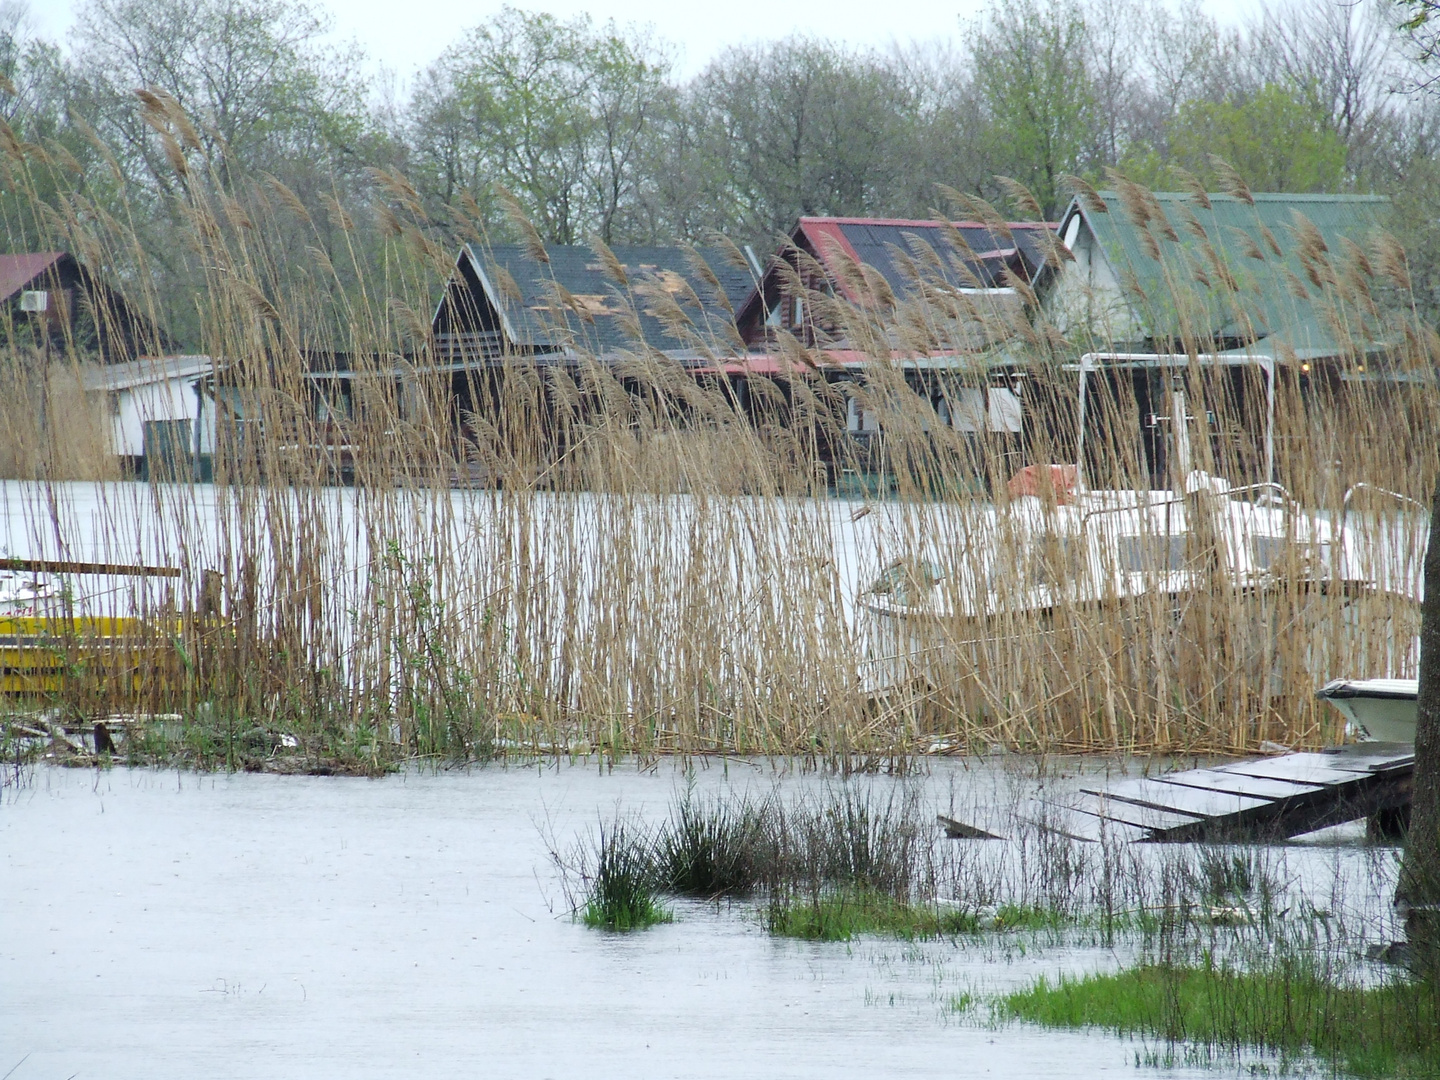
(713, 846)
(608, 555)
(1390, 1029)
(846, 913)
(620, 884)
(845, 858)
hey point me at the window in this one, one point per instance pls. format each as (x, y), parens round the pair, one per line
(1151, 553)
(1005, 412)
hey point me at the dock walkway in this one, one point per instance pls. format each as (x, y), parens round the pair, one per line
(1262, 798)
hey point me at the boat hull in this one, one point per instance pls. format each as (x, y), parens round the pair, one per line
(1383, 708)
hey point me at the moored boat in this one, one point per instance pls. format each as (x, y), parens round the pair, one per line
(1292, 590)
(1383, 709)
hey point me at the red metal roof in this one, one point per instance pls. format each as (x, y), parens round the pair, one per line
(17, 271)
(1017, 246)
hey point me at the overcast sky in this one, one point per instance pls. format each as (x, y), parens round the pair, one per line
(407, 36)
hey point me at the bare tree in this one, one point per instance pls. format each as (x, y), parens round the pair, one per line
(1345, 56)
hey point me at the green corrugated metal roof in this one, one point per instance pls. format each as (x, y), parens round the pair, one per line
(1240, 271)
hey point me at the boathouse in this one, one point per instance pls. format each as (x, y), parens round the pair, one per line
(1196, 310)
(160, 414)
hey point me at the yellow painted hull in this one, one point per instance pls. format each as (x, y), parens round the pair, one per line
(48, 655)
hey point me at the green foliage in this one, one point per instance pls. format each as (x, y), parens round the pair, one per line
(439, 707)
(1276, 139)
(842, 914)
(553, 111)
(1388, 1030)
(802, 127)
(1030, 69)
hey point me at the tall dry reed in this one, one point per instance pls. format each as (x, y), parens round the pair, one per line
(608, 556)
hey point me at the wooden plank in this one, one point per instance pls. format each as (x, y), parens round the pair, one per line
(1300, 768)
(60, 566)
(1144, 817)
(959, 830)
(1077, 825)
(1374, 757)
(1256, 787)
(1186, 800)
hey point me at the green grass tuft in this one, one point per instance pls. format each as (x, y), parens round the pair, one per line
(716, 847)
(622, 888)
(843, 914)
(635, 913)
(1387, 1030)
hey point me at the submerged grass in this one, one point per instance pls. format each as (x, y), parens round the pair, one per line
(1391, 1029)
(847, 859)
(843, 914)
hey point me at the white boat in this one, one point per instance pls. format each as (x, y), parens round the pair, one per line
(27, 594)
(1382, 709)
(1069, 546)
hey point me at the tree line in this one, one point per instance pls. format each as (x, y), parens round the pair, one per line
(586, 130)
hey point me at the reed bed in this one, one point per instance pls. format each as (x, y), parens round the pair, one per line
(608, 556)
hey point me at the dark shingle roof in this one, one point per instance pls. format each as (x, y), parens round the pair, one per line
(910, 255)
(572, 302)
(886, 244)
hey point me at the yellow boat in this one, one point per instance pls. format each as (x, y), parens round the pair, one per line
(46, 651)
(45, 655)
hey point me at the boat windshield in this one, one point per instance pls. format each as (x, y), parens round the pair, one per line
(908, 580)
(1151, 552)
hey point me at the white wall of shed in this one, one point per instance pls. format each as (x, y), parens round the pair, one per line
(169, 399)
(1086, 299)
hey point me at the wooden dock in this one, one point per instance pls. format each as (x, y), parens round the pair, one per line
(1262, 798)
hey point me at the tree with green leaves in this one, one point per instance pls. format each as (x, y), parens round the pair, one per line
(253, 77)
(555, 112)
(1276, 138)
(800, 127)
(1030, 62)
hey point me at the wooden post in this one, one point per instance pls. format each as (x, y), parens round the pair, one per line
(1419, 891)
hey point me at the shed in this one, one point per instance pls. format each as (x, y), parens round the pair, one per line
(161, 414)
(1183, 272)
(916, 261)
(53, 301)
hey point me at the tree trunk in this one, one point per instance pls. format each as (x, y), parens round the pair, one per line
(1419, 889)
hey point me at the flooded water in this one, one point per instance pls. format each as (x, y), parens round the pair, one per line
(177, 925)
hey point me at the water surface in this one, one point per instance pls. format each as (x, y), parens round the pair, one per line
(174, 925)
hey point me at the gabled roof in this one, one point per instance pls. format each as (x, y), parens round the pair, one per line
(116, 329)
(573, 303)
(17, 271)
(1232, 270)
(884, 244)
(899, 249)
